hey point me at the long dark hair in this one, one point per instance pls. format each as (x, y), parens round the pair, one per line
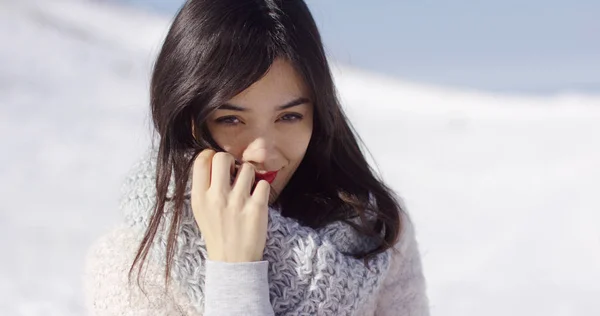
(216, 49)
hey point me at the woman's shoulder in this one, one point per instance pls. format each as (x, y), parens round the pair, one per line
(112, 251)
(136, 201)
(404, 289)
(117, 247)
(110, 256)
(107, 264)
(407, 238)
(108, 288)
(119, 237)
(405, 251)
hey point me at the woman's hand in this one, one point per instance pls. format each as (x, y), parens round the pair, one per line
(232, 221)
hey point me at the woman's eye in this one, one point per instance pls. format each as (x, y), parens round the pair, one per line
(233, 120)
(291, 117)
(228, 120)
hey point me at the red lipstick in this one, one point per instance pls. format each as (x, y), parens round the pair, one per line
(268, 176)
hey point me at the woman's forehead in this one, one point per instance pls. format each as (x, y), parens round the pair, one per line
(280, 86)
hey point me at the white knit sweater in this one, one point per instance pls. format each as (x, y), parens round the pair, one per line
(304, 271)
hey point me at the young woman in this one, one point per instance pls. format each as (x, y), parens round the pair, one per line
(257, 199)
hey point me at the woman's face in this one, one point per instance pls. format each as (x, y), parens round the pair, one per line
(268, 125)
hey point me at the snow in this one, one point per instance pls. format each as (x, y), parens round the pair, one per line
(503, 189)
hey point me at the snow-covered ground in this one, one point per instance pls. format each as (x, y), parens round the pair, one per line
(504, 189)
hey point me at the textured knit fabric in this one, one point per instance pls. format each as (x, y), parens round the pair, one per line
(307, 272)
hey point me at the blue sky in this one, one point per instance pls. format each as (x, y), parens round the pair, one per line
(530, 46)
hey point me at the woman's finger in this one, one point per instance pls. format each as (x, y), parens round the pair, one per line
(201, 171)
(223, 165)
(244, 180)
(261, 193)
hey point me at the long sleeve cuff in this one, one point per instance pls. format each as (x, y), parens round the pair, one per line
(237, 289)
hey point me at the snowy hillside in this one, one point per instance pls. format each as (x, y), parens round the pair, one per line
(503, 189)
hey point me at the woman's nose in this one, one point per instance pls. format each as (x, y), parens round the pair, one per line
(262, 153)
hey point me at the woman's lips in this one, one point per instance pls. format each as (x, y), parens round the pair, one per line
(268, 176)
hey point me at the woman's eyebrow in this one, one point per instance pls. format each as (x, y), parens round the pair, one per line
(296, 102)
